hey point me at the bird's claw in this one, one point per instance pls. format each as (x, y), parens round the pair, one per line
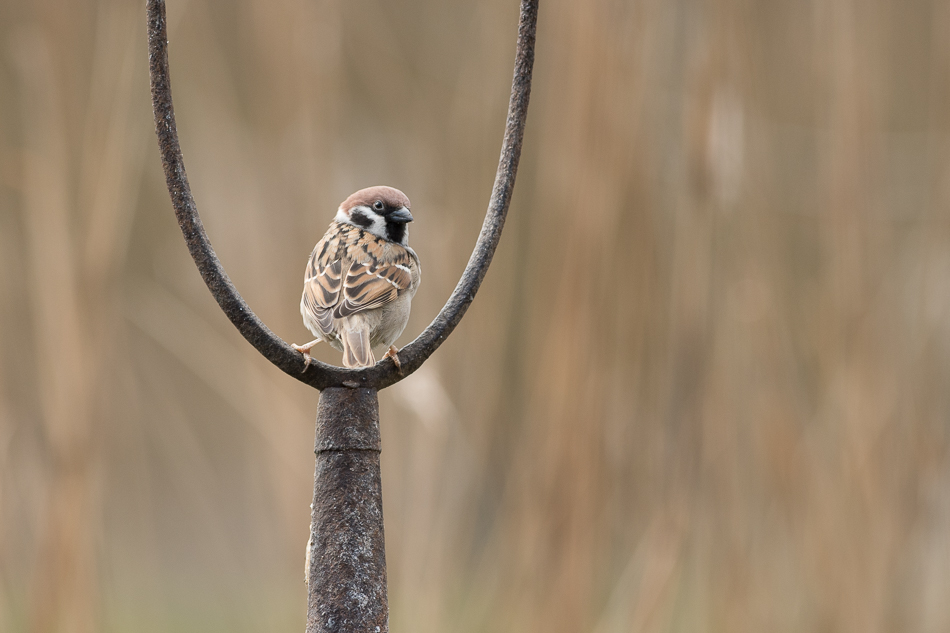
(393, 353)
(305, 350)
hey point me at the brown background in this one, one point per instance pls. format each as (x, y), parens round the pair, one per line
(705, 387)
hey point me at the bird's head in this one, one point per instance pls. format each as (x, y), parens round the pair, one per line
(382, 211)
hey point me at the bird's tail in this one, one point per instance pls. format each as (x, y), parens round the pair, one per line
(356, 349)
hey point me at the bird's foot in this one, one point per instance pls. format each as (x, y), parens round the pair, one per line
(393, 353)
(305, 350)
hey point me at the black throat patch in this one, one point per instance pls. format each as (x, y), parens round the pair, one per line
(395, 231)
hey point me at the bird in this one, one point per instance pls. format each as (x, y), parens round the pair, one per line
(362, 275)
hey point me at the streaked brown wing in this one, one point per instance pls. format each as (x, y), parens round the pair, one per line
(366, 286)
(321, 290)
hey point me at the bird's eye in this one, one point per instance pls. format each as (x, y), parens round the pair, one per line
(378, 205)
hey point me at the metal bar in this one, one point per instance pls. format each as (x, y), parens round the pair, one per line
(347, 551)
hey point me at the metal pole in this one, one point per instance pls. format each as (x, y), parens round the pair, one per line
(347, 572)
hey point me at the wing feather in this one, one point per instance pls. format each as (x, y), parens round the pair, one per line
(344, 278)
(368, 286)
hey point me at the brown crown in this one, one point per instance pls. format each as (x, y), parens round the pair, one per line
(366, 197)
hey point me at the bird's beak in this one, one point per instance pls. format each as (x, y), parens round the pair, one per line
(400, 216)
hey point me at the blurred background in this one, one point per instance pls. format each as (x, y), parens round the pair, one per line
(703, 388)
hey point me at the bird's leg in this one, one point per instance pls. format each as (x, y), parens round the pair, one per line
(393, 354)
(305, 350)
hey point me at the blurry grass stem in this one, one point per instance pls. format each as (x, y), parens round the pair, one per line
(347, 572)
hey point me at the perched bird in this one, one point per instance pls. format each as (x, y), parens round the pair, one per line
(361, 278)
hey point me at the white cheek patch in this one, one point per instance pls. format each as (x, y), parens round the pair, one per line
(378, 228)
(377, 224)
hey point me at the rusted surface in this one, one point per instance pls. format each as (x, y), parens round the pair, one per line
(321, 375)
(347, 574)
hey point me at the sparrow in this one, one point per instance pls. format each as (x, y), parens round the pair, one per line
(359, 283)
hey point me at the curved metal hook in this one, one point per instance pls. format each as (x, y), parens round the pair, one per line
(321, 375)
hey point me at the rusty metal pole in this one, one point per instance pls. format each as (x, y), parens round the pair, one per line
(347, 573)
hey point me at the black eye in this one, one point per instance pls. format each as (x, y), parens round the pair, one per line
(378, 205)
